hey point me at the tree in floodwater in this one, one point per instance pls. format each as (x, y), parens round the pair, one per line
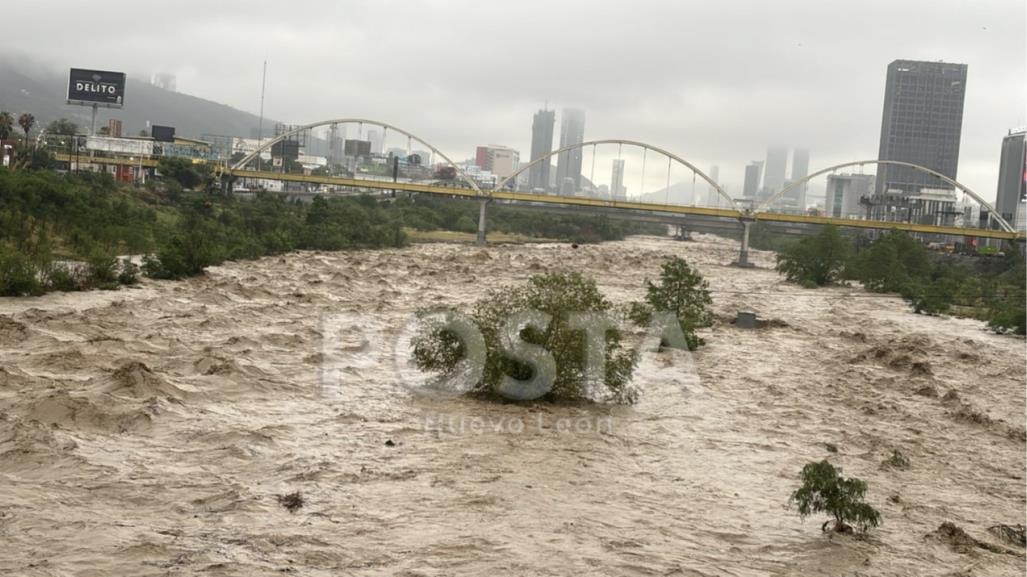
(547, 340)
(824, 490)
(683, 292)
(817, 260)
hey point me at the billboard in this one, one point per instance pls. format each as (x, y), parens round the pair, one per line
(357, 148)
(163, 133)
(285, 149)
(98, 87)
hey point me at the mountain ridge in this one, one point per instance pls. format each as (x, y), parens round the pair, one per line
(41, 91)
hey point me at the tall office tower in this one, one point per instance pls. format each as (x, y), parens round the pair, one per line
(541, 145)
(752, 179)
(1012, 176)
(568, 163)
(800, 168)
(336, 143)
(774, 171)
(712, 196)
(921, 124)
(375, 138)
(617, 190)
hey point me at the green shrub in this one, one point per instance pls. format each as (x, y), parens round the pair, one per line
(824, 490)
(128, 273)
(102, 269)
(559, 295)
(59, 277)
(1011, 318)
(817, 260)
(640, 313)
(19, 276)
(683, 292)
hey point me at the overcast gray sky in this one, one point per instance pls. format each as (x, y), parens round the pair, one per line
(714, 81)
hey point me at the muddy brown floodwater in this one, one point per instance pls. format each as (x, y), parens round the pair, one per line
(162, 430)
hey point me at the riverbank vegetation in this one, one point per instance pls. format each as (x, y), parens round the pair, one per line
(987, 288)
(60, 232)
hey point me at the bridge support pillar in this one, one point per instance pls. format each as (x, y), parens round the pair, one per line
(481, 221)
(743, 253)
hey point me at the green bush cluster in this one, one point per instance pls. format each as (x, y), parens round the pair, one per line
(681, 291)
(815, 260)
(559, 295)
(426, 213)
(48, 219)
(60, 233)
(992, 289)
(574, 306)
(212, 230)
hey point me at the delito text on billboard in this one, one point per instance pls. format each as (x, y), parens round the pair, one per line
(99, 87)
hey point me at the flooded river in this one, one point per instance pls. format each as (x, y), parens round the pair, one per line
(153, 431)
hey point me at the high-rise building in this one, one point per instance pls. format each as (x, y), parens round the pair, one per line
(568, 163)
(800, 169)
(1012, 176)
(336, 143)
(375, 138)
(617, 190)
(541, 145)
(843, 194)
(774, 171)
(752, 179)
(114, 127)
(712, 196)
(921, 124)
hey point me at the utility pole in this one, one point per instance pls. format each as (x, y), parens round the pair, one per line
(260, 123)
(395, 172)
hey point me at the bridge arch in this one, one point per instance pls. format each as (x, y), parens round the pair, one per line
(249, 157)
(792, 186)
(643, 145)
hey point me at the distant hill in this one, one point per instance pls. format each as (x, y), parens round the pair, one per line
(25, 87)
(680, 193)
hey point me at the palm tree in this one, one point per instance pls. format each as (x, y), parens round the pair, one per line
(26, 121)
(6, 125)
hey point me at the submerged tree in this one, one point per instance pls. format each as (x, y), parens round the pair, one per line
(817, 260)
(824, 490)
(549, 339)
(684, 293)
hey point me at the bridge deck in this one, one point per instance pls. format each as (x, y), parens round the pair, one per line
(628, 205)
(436, 189)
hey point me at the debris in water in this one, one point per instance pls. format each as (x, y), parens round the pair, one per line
(1014, 534)
(291, 501)
(390, 443)
(959, 541)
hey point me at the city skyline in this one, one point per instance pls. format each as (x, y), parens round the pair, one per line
(720, 106)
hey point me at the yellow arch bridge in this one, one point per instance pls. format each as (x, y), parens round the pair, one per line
(465, 186)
